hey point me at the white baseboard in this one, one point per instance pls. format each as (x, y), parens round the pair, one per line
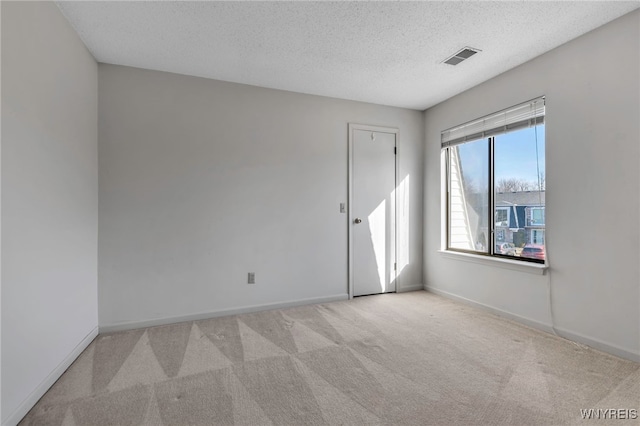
(26, 405)
(521, 319)
(598, 344)
(130, 325)
(414, 287)
(561, 332)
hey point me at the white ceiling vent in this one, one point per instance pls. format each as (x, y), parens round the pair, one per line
(463, 54)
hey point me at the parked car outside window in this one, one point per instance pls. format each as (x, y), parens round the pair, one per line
(506, 248)
(533, 251)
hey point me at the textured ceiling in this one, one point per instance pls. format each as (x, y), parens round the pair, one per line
(387, 53)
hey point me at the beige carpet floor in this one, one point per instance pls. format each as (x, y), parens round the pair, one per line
(396, 359)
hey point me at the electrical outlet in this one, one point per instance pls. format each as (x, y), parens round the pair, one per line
(251, 279)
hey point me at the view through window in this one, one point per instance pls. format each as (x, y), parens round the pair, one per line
(496, 184)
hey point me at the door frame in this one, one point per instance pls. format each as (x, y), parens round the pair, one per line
(380, 129)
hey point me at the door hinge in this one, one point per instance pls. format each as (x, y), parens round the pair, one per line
(395, 266)
(395, 151)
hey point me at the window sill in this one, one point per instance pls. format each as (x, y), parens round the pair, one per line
(515, 265)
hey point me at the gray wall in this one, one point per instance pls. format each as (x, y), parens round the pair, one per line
(49, 200)
(203, 181)
(592, 154)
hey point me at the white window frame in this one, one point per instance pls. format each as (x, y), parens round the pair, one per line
(507, 209)
(528, 114)
(533, 232)
(544, 219)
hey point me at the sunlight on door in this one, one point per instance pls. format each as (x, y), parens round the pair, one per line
(378, 229)
(401, 193)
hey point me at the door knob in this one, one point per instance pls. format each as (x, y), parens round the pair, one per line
(358, 220)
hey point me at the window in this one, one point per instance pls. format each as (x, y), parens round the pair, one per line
(537, 216)
(495, 166)
(502, 217)
(537, 236)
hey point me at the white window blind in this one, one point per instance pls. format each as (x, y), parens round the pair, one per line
(527, 114)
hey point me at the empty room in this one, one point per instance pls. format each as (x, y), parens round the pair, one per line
(320, 213)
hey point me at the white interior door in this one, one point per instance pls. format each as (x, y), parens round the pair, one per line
(373, 210)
